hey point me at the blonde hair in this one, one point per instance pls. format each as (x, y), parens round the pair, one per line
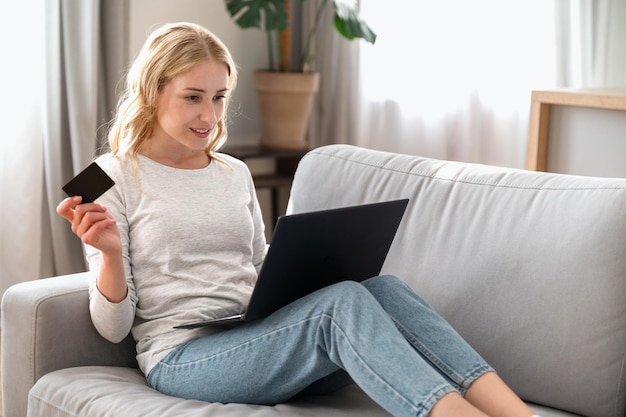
(169, 51)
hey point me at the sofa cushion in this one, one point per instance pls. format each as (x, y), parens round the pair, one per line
(104, 391)
(93, 391)
(529, 267)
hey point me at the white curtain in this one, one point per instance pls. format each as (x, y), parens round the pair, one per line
(609, 65)
(69, 57)
(21, 155)
(452, 79)
(334, 118)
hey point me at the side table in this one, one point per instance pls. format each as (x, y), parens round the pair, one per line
(541, 105)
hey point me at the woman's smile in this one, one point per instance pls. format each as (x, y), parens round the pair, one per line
(201, 133)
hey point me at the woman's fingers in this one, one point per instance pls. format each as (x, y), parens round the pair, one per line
(85, 215)
(81, 216)
(66, 207)
(91, 223)
(85, 221)
(102, 235)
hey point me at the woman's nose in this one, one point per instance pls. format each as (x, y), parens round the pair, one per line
(208, 114)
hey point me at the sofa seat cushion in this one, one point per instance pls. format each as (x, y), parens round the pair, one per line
(116, 391)
(93, 391)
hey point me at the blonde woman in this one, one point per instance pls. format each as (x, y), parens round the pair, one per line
(180, 238)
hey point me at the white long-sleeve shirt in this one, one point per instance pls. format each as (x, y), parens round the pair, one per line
(192, 242)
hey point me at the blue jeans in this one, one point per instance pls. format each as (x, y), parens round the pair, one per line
(379, 333)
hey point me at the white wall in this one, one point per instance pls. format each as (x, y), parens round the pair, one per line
(587, 141)
(246, 46)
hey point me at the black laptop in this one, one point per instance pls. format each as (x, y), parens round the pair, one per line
(312, 250)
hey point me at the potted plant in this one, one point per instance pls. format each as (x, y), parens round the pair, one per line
(286, 90)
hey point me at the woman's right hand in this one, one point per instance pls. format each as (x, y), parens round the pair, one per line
(92, 224)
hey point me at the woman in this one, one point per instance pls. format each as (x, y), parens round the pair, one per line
(180, 238)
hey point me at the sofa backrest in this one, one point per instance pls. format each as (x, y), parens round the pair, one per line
(529, 267)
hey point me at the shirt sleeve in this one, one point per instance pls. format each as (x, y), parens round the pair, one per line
(112, 320)
(259, 244)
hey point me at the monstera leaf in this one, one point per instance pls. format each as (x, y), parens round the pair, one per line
(348, 23)
(261, 14)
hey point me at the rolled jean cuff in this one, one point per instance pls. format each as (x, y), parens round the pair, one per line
(427, 406)
(477, 373)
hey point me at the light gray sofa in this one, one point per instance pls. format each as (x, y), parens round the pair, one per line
(529, 267)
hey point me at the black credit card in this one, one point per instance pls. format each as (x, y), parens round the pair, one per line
(90, 183)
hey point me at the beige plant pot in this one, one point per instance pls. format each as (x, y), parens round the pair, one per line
(285, 102)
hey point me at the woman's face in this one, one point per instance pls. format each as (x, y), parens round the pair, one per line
(189, 107)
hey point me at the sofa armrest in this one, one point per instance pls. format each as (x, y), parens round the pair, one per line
(45, 327)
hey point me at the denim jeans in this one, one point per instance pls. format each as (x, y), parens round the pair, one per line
(378, 332)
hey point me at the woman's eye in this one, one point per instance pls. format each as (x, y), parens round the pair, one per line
(222, 97)
(193, 98)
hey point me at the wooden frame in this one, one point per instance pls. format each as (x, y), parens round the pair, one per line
(542, 101)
